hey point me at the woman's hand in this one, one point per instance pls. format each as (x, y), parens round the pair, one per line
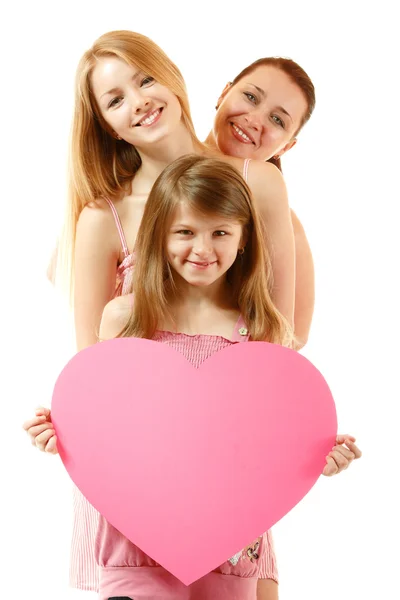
(341, 455)
(41, 432)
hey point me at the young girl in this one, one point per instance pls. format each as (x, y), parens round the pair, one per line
(200, 284)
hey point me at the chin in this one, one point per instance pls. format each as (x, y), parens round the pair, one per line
(199, 283)
(232, 147)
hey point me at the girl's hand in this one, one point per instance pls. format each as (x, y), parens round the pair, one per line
(41, 431)
(341, 455)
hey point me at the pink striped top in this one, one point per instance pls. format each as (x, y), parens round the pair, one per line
(126, 571)
(84, 572)
(125, 268)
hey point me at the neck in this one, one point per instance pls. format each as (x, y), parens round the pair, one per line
(195, 297)
(211, 143)
(157, 156)
(201, 310)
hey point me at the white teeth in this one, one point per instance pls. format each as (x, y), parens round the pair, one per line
(150, 119)
(241, 133)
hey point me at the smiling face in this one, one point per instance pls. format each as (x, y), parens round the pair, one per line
(136, 107)
(259, 116)
(201, 249)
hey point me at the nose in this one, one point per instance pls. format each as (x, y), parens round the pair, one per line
(202, 246)
(254, 120)
(140, 103)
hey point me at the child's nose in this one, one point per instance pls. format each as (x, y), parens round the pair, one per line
(202, 247)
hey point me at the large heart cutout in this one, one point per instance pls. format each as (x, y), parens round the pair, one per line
(192, 464)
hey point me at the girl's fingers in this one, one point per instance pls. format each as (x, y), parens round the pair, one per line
(51, 446)
(41, 410)
(354, 449)
(32, 422)
(38, 429)
(348, 454)
(342, 437)
(340, 460)
(42, 439)
(331, 467)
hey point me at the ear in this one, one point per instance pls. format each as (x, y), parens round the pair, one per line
(285, 149)
(223, 94)
(245, 237)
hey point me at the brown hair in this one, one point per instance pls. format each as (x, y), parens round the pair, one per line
(297, 75)
(100, 165)
(211, 187)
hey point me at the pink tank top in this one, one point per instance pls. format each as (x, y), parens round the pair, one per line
(125, 268)
(84, 572)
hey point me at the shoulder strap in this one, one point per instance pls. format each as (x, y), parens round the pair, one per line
(240, 333)
(246, 168)
(119, 227)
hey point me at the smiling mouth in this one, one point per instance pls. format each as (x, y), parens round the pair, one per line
(201, 264)
(241, 135)
(149, 119)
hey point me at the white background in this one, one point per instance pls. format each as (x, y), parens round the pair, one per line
(342, 181)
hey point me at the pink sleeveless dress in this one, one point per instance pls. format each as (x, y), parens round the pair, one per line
(84, 570)
(126, 571)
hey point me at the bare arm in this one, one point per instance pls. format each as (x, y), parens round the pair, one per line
(305, 284)
(115, 316)
(273, 206)
(51, 268)
(267, 589)
(96, 260)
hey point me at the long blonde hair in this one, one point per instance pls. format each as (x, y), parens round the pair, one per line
(211, 187)
(100, 165)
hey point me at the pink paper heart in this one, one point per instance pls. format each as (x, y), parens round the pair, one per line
(192, 464)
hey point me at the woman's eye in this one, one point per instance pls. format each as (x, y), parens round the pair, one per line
(184, 232)
(114, 101)
(147, 80)
(278, 121)
(250, 97)
(219, 233)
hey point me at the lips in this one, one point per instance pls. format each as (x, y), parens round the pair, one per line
(201, 265)
(149, 118)
(242, 134)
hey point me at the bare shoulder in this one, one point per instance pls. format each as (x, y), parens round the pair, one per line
(297, 225)
(232, 160)
(115, 316)
(260, 174)
(97, 217)
(265, 178)
(268, 186)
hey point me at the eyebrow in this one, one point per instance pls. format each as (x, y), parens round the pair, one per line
(117, 89)
(183, 226)
(263, 94)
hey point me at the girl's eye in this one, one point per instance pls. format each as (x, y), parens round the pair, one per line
(147, 80)
(219, 233)
(114, 101)
(184, 232)
(278, 121)
(250, 97)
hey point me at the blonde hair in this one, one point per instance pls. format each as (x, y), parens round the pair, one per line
(100, 165)
(211, 187)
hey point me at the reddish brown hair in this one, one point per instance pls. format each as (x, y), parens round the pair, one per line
(296, 74)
